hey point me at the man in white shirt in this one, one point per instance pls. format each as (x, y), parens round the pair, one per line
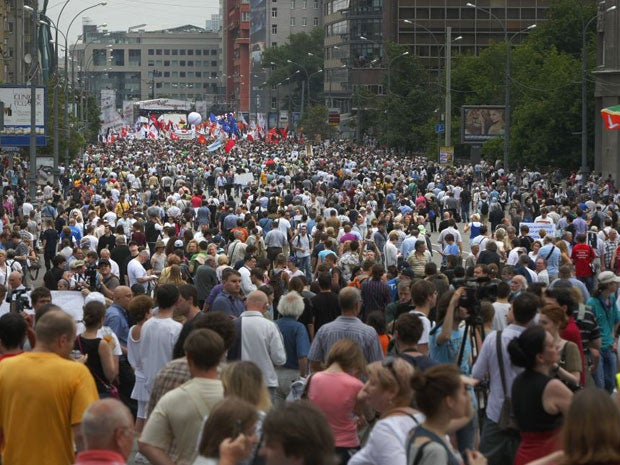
(261, 341)
(136, 272)
(245, 271)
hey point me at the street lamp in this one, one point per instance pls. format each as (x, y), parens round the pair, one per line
(309, 77)
(66, 106)
(302, 85)
(584, 94)
(507, 77)
(34, 64)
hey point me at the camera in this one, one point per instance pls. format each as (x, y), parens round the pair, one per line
(19, 300)
(476, 289)
(91, 276)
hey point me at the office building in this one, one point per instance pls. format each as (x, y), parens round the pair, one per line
(15, 34)
(181, 63)
(357, 31)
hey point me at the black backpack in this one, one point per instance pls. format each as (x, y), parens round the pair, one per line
(484, 208)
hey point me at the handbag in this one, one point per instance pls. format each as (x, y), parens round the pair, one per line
(110, 388)
(507, 422)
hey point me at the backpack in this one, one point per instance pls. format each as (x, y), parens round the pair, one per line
(484, 208)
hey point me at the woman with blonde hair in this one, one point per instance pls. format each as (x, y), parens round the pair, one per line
(244, 379)
(565, 257)
(389, 392)
(222, 264)
(335, 391)
(172, 275)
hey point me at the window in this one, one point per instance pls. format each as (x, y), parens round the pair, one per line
(198, 52)
(274, 103)
(315, 21)
(274, 29)
(190, 51)
(175, 51)
(167, 74)
(245, 16)
(175, 63)
(214, 64)
(158, 51)
(304, 22)
(316, 4)
(166, 62)
(182, 74)
(213, 52)
(190, 63)
(167, 51)
(182, 62)
(159, 63)
(151, 51)
(175, 74)
(292, 4)
(151, 63)
(304, 4)
(292, 21)
(274, 12)
(198, 73)
(274, 44)
(182, 52)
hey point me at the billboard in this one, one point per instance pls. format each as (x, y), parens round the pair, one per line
(16, 101)
(481, 123)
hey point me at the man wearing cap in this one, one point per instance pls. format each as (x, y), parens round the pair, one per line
(608, 318)
(106, 255)
(106, 281)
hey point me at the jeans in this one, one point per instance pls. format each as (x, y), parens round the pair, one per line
(304, 265)
(588, 281)
(498, 447)
(605, 376)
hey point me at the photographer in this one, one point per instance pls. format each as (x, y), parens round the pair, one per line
(106, 281)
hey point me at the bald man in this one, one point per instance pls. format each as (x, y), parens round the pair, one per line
(43, 395)
(107, 428)
(261, 341)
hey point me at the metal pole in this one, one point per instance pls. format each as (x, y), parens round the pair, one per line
(302, 98)
(56, 115)
(66, 106)
(448, 127)
(32, 185)
(507, 104)
(584, 104)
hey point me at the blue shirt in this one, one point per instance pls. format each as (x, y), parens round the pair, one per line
(296, 340)
(448, 352)
(229, 304)
(116, 320)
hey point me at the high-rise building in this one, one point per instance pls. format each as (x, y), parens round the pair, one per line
(180, 63)
(358, 31)
(250, 27)
(214, 24)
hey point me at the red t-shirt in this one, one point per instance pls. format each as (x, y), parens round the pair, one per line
(582, 256)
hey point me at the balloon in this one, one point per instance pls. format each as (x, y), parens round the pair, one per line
(194, 118)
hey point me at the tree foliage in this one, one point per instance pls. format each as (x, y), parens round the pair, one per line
(314, 123)
(304, 53)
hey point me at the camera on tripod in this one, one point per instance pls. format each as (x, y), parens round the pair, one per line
(476, 290)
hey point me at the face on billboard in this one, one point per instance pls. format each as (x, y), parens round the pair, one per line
(482, 123)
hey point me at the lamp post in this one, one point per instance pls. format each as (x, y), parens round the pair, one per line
(34, 65)
(309, 77)
(66, 106)
(584, 94)
(302, 86)
(389, 87)
(508, 78)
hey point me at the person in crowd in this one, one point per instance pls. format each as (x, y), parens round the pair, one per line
(336, 391)
(296, 342)
(444, 400)
(388, 391)
(107, 428)
(539, 401)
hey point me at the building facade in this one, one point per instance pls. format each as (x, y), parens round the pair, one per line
(357, 32)
(15, 35)
(181, 63)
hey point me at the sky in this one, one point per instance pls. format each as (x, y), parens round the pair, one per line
(122, 14)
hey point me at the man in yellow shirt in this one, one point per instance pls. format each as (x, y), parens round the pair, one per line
(43, 396)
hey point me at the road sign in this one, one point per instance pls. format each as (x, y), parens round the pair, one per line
(440, 129)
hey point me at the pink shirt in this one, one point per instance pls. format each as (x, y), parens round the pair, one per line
(336, 395)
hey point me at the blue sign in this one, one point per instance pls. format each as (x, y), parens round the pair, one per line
(440, 129)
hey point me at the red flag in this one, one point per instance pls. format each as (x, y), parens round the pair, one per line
(230, 143)
(173, 136)
(201, 139)
(250, 138)
(124, 132)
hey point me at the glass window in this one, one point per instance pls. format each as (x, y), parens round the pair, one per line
(213, 52)
(182, 63)
(198, 52)
(166, 73)
(304, 22)
(304, 4)
(292, 4)
(198, 73)
(151, 63)
(452, 13)
(182, 52)
(175, 74)
(292, 21)
(175, 51)
(159, 63)
(167, 51)
(274, 12)
(274, 29)
(316, 4)
(175, 63)
(151, 51)
(166, 62)
(315, 21)
(190, 63)
(190, 51)
(214, 64)
(182, 74)
(158, 51)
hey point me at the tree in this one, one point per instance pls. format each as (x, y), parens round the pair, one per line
(304, 53)
(314, 123)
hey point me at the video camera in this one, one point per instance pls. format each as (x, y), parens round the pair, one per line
(476, 290)
(19, 300)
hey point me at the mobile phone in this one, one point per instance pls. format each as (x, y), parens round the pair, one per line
(237, 429)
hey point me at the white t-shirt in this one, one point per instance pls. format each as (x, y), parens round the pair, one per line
(499, 320)
(135, 270)
(157, 341)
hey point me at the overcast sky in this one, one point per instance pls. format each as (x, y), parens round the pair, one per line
(122, 14)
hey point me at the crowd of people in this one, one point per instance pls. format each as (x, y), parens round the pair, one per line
(311, 304)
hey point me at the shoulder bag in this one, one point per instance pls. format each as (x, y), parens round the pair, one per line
(507, 422)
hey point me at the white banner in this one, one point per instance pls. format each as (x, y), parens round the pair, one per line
(536, 227)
